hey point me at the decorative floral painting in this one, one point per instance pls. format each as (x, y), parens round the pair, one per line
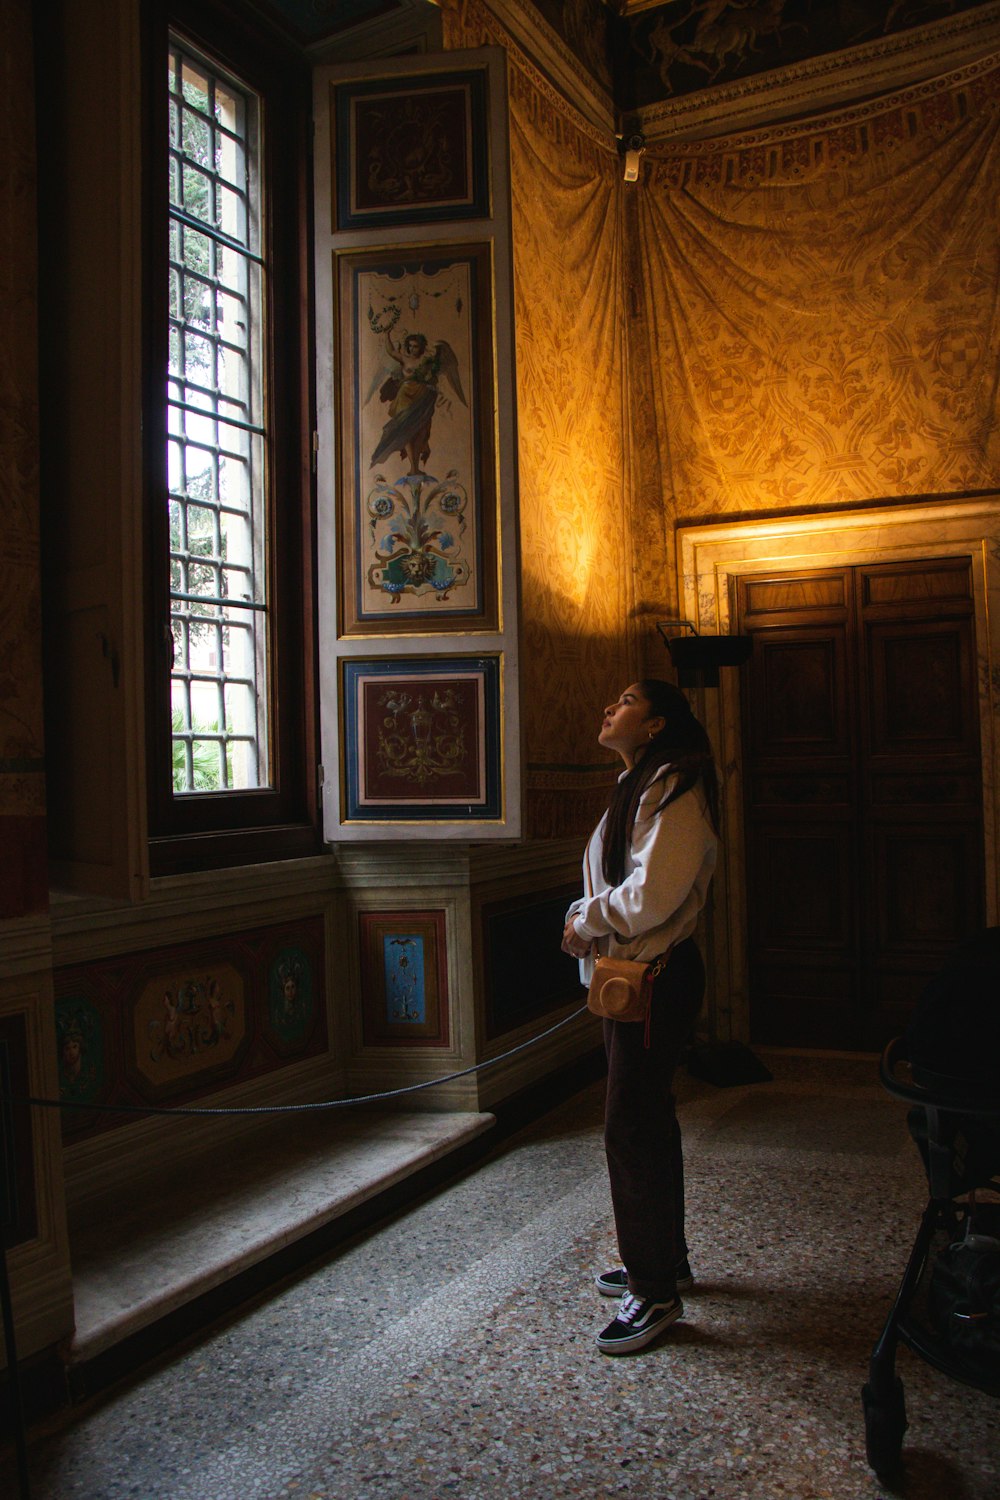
(422, 739)
(187, 1021)
(169, 1025)
(418, 486)
(404, 981)
(290, 994)
(411, 150)
(80, 1035)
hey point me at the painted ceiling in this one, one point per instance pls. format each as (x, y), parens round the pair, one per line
(674, 49)
(649, 52)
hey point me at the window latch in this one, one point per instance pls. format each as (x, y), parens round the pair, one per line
(111, 656)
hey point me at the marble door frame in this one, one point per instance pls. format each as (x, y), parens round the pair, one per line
(710, 558)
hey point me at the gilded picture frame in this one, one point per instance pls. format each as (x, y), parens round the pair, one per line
(421, 739)
(412, 150)
(417, 484)
(404, 978)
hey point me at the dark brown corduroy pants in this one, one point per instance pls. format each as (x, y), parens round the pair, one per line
(641, 1135)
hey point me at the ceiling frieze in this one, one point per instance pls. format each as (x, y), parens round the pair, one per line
(545, 52)
(827, 82)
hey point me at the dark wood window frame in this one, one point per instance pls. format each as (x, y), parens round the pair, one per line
(210, 830)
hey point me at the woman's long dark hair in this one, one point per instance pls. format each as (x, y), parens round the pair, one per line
(683, 745)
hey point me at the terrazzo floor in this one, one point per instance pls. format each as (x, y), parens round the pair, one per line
(450, 1352)
(182, 1231)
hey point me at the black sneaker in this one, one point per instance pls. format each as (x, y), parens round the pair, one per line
(614, 1283)
(638, 1323)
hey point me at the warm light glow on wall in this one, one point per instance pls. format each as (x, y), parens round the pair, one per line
(820, 305)
(571, 555)
(576, 578)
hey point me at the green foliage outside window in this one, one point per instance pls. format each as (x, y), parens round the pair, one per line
(206, 770)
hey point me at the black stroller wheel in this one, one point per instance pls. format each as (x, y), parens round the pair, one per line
(885, 1423)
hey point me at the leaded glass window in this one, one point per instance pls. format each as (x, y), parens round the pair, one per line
(217, 441)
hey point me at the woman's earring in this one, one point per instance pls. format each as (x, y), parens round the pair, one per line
(652, 734)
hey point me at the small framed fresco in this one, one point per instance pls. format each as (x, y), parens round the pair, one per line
(86, 1060)
(404, 978)
(291, 1002)
(417, 487)
(191, 1023)
(421, 739)
(411, 150)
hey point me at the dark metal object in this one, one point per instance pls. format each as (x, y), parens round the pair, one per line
(944, 1108)
(697, 658)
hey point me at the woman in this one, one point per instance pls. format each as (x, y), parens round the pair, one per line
(647, 870)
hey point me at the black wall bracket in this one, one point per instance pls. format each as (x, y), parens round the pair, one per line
(697, 658)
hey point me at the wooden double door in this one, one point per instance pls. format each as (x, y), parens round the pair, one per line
(863, 794)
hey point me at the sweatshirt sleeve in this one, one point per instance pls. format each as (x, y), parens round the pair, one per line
(575, 907)
(669, 849)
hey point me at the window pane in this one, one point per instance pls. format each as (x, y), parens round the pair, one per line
(216, 445)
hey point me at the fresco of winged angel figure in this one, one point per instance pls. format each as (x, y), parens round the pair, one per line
(413, 370)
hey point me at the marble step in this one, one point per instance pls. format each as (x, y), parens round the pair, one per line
(156, 1244)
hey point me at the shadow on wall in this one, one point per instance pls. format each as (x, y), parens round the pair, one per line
(566, 680)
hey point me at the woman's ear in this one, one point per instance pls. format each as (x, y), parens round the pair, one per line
(655, 725)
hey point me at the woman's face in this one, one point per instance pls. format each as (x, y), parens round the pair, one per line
(628, 725)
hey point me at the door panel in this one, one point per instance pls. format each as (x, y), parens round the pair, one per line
(918, 582)
(801, 897)
(803, 697)
(863, 794)
(921, 779)
(802, 791)
(805, 1003)
(925, 888)
(921, 688)
(819, 592)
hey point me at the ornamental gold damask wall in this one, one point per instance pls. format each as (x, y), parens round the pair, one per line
(801, 318)
(577, 580)
(821, 306)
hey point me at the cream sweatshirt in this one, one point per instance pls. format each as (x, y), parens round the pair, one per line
(668, 870)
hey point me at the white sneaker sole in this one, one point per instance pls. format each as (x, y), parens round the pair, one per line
(628, 1343)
